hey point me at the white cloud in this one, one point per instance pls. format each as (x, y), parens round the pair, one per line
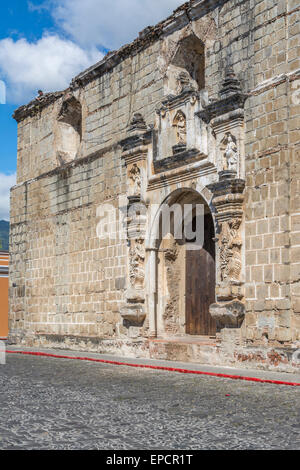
(51, 62)
(6, 182)
(109, 23)
(47, 64)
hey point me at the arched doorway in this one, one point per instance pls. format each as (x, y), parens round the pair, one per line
(185, 277)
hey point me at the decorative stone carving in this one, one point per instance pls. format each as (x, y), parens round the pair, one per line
(136, 264)
(171, 254)
(135, 177)
(230, 314)
(134, 152)
(230, 250)
(228, 201)
(180, 124)
(133, 312)
(137, 123)
(226, 117)
(179, 138)
(193, 99)
(230, 155)
(231, 103)
(231, 84)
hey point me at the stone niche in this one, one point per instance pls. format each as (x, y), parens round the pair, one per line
(189, 57)
(68, 130)
(179, 137)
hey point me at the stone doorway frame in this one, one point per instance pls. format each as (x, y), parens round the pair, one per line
(181, 195)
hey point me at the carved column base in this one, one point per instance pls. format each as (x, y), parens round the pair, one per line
(135, 295)
(228, 314)
(134, 310)
(134, 314)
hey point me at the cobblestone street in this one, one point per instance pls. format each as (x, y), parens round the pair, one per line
(68, 404)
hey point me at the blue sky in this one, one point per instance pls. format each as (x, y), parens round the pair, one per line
(45, 43)
(16, 21)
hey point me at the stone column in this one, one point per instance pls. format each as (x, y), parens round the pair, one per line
(229, 310)
(152, 301)
(135, 150)
(226, 117)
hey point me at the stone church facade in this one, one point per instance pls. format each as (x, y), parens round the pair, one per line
(201, 110)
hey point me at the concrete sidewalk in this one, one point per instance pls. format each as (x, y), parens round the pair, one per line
(253, 373)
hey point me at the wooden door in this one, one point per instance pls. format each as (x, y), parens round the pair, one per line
(200, 284)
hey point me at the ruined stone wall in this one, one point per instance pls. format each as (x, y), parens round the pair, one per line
(64, 280)
(108, 103)
(272, 175)
(138, 83)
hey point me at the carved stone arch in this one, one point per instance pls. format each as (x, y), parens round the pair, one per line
(171, 198)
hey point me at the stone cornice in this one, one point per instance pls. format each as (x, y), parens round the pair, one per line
(227, 186)
(177, 160)
(173, 101)
(35, 106)
(136, 154)
(67, 167)
(181, 174)
(222, 106)
(136, 140)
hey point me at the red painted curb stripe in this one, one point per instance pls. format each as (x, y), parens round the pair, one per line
(168, 369)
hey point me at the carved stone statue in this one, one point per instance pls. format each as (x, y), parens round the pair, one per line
(231, 154)
(135, 176)
(230, 250)
(180, 125)
(136, 264)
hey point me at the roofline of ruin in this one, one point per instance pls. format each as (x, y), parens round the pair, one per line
(182, 16)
